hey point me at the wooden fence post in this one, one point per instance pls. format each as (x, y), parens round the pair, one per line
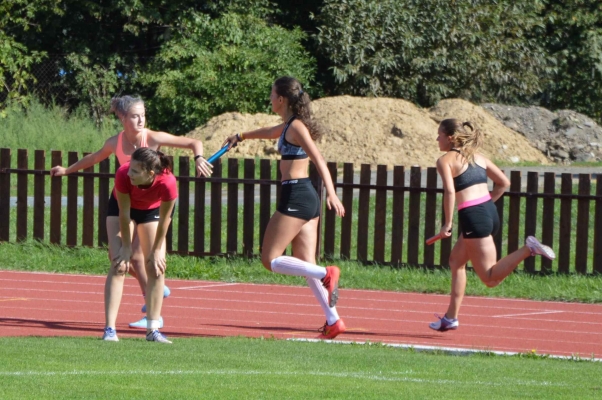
(232, 219)
(346, 223)
(22, 207)
(414, 215)
(380, 215)
(39, 183)
(397, 220)
(4, 194)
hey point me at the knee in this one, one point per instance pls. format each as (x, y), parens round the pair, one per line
(488, 281)
(266, 260)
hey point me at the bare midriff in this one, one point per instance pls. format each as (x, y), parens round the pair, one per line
(294, 169)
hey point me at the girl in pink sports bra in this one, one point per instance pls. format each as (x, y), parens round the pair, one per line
(121, 156)
(464, 173)
(131, 113)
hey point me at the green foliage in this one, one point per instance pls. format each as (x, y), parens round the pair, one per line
(574, 39)
(213, 65)
(426, 50)
(16, 59)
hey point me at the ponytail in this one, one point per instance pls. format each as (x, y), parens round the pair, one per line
(466, 141)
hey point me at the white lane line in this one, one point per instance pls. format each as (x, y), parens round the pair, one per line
(205, 286)
(342, 375)
(527, 314)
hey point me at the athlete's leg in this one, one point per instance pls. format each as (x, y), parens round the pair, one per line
(280, 232)
(304, 248)
(482, 254)
(457, 264)
(154, 289)
(115, 277)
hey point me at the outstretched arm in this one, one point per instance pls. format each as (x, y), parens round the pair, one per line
(86, 162)
(203, 168)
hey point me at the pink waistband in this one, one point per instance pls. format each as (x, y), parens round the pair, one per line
(474, 202)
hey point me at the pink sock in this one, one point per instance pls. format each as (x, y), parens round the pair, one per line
(293, 266)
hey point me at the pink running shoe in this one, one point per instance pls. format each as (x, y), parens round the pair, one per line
(537, 248)
(332, 331)
(444, 324)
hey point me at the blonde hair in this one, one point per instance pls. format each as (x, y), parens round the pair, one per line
(121, 105)
(467, 142)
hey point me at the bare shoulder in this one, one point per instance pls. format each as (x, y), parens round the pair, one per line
(110, 143)
(482, 161)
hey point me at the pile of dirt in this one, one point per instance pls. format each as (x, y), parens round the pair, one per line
(563, 136)
(375, 131)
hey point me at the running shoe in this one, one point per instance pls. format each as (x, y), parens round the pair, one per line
(142, 324)
(156, 336)
(539, 249)
(110, 335)
(444, 324)
(332, 331)
(331, 283)
(166, 293)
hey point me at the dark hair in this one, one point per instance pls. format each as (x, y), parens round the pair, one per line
(467, 142)
(121, 105)
(299, 101)
(152, 160)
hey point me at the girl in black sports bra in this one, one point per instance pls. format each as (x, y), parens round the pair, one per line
(464, 173)
(296, 218)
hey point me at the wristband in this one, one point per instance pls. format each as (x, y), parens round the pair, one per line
(197, 157)
(239, 137)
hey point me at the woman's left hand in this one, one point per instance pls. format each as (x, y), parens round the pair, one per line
(157, 262)
(203, 167)
(334, 202)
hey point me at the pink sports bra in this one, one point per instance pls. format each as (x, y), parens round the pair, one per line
(121, 156)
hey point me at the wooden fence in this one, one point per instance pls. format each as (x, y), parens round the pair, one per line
(389, 214)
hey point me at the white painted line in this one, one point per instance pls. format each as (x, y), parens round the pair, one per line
(527, 314)
(205, 286)
(342, 375)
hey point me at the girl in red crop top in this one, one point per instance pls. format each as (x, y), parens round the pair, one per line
(146, 192)
(464, 173)
(135, 135)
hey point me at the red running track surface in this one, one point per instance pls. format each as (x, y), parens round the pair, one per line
(46, 304)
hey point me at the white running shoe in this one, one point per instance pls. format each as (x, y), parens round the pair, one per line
(537, 248)
(156, 336)
(444, 324)
(110, 335)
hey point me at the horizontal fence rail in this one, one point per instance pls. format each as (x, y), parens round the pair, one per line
(389, 213)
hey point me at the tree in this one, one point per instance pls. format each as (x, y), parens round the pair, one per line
(574, 39)
(212, 65)
(425, 50)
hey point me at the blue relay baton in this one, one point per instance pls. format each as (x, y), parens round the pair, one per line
(218, 154)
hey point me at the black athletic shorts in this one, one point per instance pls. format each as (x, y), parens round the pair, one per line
(136, 215)
(479, 221)
(299, 199)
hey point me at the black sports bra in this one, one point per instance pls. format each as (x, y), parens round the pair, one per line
(473, 175)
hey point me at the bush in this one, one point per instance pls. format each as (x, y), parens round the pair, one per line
(425, 50)
(213, 65)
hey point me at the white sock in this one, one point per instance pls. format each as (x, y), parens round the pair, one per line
(152, 324)
(322, 295)
(293, 266)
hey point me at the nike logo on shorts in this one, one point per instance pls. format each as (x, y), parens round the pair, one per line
(156, 217)
(469, 233)
(292, 209)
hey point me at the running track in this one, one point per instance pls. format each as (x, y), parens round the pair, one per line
(44, 304)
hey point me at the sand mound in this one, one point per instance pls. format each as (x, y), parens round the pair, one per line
(374, 131)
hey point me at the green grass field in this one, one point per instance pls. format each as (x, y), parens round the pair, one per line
(234, 368)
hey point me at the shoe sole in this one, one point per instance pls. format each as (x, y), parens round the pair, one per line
(444, 329)
(111, 339)
(333, 296)
(543, 250)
